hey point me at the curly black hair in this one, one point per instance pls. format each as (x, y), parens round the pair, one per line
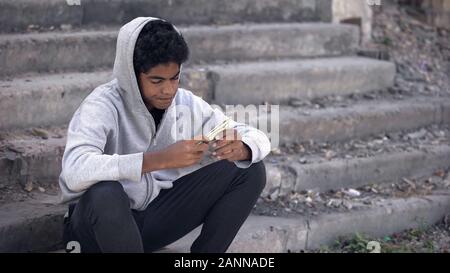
(158, 43)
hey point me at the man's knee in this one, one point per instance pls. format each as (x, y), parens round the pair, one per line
(106, 195)
(257, 173)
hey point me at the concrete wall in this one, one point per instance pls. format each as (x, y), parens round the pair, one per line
(360, 12)
(438, 12)
(358, 9)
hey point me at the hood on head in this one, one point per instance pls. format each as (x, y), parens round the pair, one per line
(123, 64)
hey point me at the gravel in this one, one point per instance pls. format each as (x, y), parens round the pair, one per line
(401, 141)
(311, 203)
(421, 51)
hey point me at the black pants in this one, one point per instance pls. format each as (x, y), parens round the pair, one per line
(220, 196)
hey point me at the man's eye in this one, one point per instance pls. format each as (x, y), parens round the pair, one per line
(156, 82)
(175, 79)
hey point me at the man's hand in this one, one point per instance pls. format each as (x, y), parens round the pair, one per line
(230, 147)
(184, 153)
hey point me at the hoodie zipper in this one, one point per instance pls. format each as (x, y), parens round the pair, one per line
(157, 132)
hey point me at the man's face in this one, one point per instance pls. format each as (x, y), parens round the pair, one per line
(159, 85)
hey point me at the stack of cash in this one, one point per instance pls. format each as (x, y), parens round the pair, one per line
(217, 130)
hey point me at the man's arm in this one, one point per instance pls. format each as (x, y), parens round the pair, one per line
(152, 162)
(84, 162)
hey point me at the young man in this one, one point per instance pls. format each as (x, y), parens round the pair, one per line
(139, 183)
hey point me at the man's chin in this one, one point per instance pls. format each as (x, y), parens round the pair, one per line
(162, 105)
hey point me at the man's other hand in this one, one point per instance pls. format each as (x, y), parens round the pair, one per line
(229, 146)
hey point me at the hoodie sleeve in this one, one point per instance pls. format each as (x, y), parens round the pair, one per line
(84, 162)
(255, 139)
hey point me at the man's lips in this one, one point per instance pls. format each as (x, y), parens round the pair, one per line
(165, 101)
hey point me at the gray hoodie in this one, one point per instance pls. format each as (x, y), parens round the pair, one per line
(112, 128)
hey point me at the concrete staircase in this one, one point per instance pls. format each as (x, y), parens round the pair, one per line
(243, 52)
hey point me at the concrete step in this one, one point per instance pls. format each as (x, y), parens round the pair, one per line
(45, 100)
(19, 14)
(37, 226)
(280, 81)
(87, 50)
(31, 159)
(361, 119)
(48, 100)
(263, 234)
(289, 175)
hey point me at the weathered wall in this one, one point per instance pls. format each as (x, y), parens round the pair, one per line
(438, 12)
(354, 9)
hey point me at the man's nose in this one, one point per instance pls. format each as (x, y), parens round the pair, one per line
(169, 87)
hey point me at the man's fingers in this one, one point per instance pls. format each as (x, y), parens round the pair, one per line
(199, 139)
(230, 152)
(196, 156)
(197, 145)
(201, 148)
(219, 143)
(229, 136)
(227, 147)
(230, 156)
(222, 143)
(224, 150)
(223, 154)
